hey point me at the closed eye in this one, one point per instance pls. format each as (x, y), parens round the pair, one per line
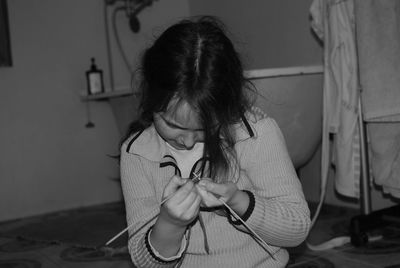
(173, 125)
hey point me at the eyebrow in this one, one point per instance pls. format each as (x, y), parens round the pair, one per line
(173, 124)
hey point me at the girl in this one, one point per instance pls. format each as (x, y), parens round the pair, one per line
(197, 123)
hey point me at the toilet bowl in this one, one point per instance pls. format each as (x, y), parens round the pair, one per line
(295, 102)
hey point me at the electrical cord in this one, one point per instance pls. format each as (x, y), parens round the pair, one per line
(109, 52)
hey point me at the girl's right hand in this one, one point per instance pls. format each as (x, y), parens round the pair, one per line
(184, 205)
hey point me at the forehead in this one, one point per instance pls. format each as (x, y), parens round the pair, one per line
(180, 112)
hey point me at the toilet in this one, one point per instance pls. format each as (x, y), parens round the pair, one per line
(295, 102)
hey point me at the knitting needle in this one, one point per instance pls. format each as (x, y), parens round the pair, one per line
(129, 226)
(236, 216)
(262, 242)
(195, 180)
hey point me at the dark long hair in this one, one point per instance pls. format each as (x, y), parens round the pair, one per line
(195, 61)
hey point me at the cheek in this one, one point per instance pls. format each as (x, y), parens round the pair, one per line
(171, 135)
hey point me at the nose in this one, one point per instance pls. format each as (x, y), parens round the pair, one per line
(189, 140)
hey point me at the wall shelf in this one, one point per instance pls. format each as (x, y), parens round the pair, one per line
(107, 95)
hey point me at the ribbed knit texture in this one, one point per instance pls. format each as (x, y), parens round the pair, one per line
(280, 215)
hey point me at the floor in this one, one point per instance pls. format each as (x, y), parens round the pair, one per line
(69, 239)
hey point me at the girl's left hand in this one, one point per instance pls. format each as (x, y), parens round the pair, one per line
(210, 192)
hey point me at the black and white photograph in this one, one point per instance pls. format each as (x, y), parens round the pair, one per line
(200, 134)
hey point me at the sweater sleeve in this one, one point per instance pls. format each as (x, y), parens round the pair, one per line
(142, 209)
(280, 214)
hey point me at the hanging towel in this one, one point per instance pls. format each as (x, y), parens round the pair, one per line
(378, 42)
(378, 39)
(385, 156)
(333, 22)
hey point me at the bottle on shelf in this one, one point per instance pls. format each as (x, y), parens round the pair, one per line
(94, 77)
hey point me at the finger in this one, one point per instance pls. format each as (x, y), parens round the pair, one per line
(193, 209)
(208, 198)
(225, 190)
(182, 193)
(173, 185)
(189, 198)
(212, 187)
(180, 208)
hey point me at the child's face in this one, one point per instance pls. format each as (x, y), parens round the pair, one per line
(179, 126)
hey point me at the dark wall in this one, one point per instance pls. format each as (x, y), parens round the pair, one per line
(269, 33)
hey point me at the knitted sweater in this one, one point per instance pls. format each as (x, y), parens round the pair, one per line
(278, 214)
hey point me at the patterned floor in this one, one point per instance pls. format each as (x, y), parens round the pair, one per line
(19, 251)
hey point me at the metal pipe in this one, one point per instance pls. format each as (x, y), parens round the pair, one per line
(365, 189)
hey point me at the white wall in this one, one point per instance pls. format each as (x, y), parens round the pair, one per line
(49, 161)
